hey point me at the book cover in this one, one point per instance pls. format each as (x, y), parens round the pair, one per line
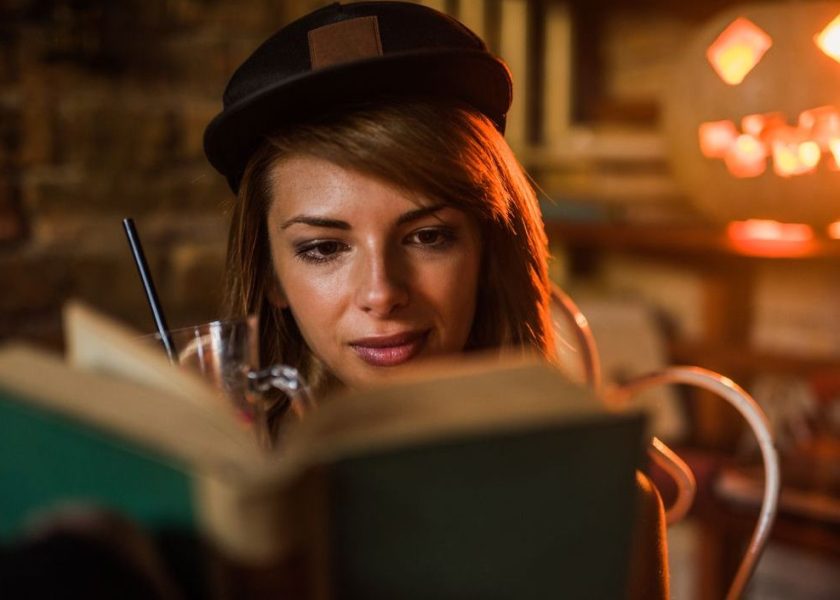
(492, 476)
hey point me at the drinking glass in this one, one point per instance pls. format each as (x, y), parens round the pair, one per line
(226, 354)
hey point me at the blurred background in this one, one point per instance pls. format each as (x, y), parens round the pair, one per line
(687, 158)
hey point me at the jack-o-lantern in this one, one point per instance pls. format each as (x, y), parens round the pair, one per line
(752, 114)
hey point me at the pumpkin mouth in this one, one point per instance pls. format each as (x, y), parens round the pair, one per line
(767, 137)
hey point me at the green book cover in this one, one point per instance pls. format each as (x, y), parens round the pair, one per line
(505, 481)
(48, 461)
(493, 477)
(68, 436)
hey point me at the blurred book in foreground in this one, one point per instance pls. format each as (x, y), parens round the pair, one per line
(478, 478)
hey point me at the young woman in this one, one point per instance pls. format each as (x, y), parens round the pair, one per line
(380, 216)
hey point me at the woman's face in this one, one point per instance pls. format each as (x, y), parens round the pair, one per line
(375, 277)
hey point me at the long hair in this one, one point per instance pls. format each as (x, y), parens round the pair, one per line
(446, 152)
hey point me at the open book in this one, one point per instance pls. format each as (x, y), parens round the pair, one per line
(485, 477)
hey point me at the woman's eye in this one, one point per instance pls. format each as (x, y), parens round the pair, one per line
(432, 237)
(319, 251)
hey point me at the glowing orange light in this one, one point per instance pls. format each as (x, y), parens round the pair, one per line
(834, 230)
(753, 124)
(794, 150)
(738, 50)
(809, 154)
(759, 237)
(811, 117)
(746, 157)
(716, 137)
(784, 159)
(834, 147)
(821, 125)
(762, 126)
(793, 154)
(828, 39)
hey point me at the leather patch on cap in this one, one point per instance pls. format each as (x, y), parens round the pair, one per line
(344, 41)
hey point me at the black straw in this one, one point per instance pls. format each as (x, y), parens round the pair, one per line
(149, 287)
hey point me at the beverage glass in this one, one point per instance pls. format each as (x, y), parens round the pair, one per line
(226, 355)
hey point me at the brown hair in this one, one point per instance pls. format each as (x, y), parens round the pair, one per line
(443, 151)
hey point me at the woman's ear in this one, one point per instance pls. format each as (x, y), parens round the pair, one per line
(276, 296)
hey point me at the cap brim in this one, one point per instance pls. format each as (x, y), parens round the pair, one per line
(474, 77)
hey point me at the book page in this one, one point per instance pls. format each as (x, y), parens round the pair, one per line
(100, 344)
(202, 439)
(444, 399)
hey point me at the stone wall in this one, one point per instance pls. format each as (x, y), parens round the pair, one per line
(103, 104)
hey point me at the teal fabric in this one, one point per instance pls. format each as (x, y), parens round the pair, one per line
(47, 460)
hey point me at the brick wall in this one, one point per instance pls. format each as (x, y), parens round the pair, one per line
(103, 104)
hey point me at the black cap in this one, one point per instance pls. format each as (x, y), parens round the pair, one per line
(349, 53)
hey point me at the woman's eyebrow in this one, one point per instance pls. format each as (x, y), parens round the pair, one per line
(413, 215)
(316, 222)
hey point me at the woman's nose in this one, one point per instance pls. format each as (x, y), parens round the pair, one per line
(382, 285)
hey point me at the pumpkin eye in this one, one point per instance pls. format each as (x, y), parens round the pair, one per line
(828, 39)
(738, 49)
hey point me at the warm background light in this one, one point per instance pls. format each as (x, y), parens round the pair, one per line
(828, 39)
(809, 154)
(716, 138)
(834, 230)
(789, 103)
(794, 150)
(765, 237)
(763, 125)
(747, 157)
(822, 125)
(794, 157)
(834, 146)
(766, 229)
(738, 50)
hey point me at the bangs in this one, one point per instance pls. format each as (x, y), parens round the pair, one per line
(444, 152)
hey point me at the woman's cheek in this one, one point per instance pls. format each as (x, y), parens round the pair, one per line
(314, 295)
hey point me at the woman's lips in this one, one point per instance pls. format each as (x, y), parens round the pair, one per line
(392, 350)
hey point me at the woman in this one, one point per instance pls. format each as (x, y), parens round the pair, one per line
(380, 215)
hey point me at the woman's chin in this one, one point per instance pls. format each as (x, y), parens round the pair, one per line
(372, 376)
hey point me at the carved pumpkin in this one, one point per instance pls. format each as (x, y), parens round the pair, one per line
(752, 114)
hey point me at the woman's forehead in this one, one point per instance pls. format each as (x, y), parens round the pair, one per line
(316, 185)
